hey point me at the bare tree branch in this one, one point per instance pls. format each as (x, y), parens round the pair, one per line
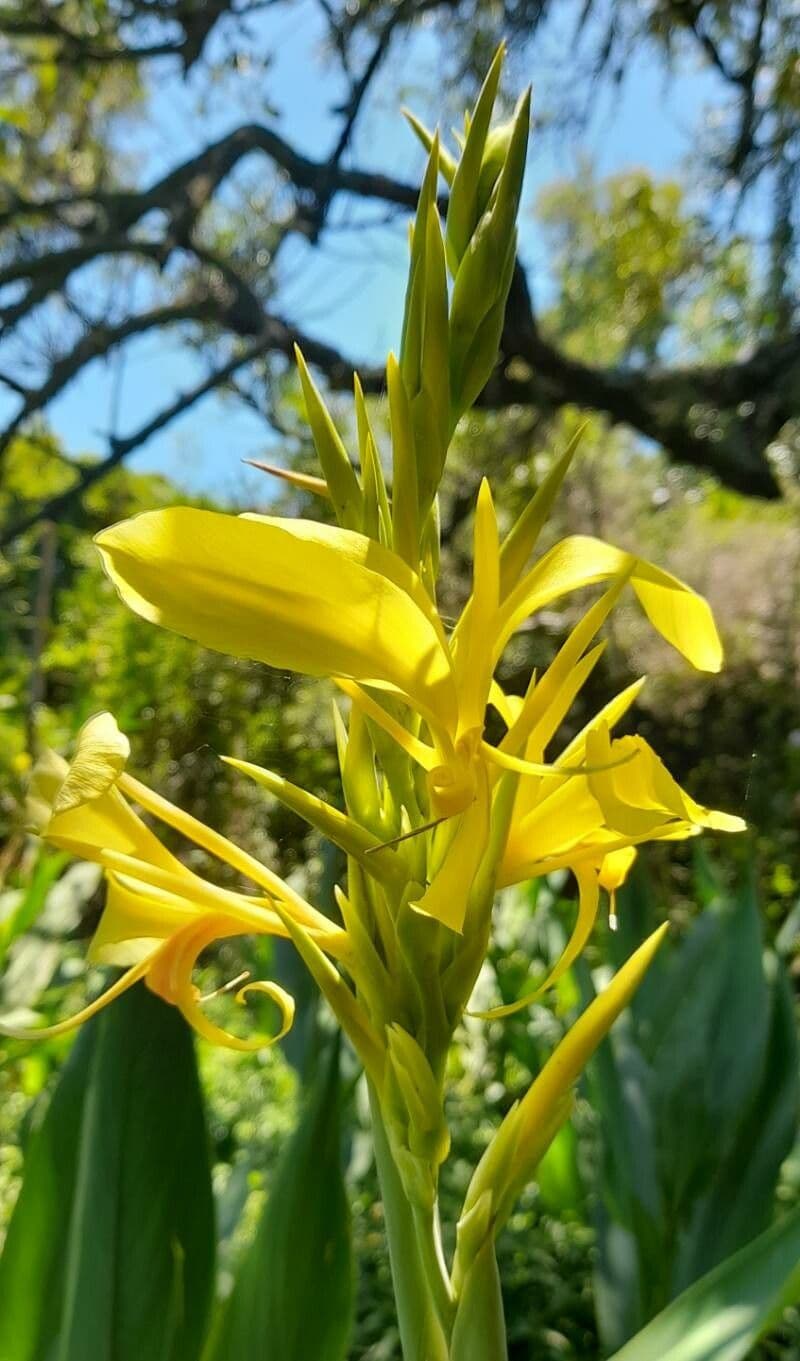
(719, 418)
(277, 337)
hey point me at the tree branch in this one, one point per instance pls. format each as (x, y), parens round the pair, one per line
(96, 343)
(277, 337)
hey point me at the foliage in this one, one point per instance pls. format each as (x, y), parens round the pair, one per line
(110, 1249)
(639, 277)
(698, 1098)
(293, 1291)
(107, 236)
(210, 706)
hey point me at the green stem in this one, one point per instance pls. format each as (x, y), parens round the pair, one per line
(418, 1293)
(429, 1241)
(479, 1333)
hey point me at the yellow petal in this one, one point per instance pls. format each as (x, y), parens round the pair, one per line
(473, 657)
(548, 700)
(610, 715)
(211, 841)
(170, 976)
(447, 895)
(101, 755)
(78, 807)
(47, 776)
(508, 706)
(49, 1032)
(136, 920)
(109, 824)
(557, 824)
(425, 756)
(681, 616)
(588, 898)
(616, 867)
(641, 796)
(314, 600)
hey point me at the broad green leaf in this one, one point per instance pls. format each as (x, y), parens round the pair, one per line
(293, 1297)
(110, 1251)
(32, 1266)
(698, 1099)
(722, 1316)
(739, 1201)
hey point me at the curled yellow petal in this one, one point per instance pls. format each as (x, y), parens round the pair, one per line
(49, 1032)
(170, 976)
(588, 898)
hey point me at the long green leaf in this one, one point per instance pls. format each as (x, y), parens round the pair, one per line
(293, 1297)
(110, 1252)
(722, 1316)
(32, 1264)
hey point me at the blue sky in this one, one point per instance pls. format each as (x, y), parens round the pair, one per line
(348, 292)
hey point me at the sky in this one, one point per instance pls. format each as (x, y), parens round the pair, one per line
(349, 291)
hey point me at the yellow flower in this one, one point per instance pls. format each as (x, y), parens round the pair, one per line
(332, 602)
(159, 915)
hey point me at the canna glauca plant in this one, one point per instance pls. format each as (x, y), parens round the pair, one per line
(437, 818)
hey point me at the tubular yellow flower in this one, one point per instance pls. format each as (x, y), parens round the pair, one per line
(159, 915)
(330, 601)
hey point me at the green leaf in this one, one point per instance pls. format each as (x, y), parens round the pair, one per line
(32, 1265)
(698, 1099)
(739, 1200)
(339, 472)
(293, 1297)
(463, 211)
(722, 1316)
(110, 1251)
